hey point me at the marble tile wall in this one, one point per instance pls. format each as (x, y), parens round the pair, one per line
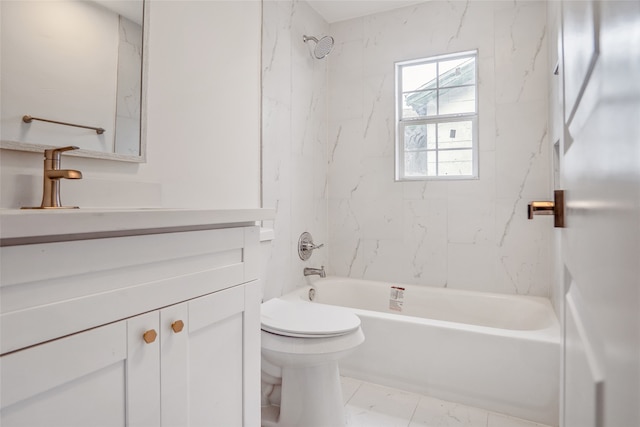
(460, 234)
(328, 144)
(294, 141)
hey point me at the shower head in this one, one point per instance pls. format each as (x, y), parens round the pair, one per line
(323, 46)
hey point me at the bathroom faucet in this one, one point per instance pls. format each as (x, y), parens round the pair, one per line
(51, 178)
(315, 271)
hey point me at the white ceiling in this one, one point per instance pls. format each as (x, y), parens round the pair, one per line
(341, 10)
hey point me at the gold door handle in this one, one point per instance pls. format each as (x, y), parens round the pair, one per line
(177, 326)
(540, 208)
(555, 208)
(150, 336)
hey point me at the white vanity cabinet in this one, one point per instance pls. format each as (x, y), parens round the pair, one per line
(159, 329)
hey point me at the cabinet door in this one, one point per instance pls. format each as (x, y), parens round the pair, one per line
(202, 365)
(215, 358)
(78, 381)
(143, 370)
(174, 350)
(106, 376)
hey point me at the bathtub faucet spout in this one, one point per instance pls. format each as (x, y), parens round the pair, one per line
(315, 271)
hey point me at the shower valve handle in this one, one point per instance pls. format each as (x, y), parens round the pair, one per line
(311, 246)
(306, 246)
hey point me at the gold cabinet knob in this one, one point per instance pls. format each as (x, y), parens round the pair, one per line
(177, 326)
(150, 336)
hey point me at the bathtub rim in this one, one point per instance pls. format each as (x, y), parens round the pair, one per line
(550, 334)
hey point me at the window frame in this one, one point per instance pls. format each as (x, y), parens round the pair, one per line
(401, 122)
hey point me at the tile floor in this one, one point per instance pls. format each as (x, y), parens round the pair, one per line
(371, 405)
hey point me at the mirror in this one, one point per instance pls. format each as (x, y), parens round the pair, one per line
(72, 62)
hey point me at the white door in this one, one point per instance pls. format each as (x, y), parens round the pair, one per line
(600, 171)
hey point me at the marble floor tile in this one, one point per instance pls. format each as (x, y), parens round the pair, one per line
(371, 405)
(501, 420)
(349, 388)
(377, 406)
(433, 412)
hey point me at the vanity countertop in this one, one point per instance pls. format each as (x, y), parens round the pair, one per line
(19, 227)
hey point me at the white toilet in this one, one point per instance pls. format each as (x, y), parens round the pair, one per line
(301, 345)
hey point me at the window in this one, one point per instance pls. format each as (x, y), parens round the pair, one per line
(437, 118)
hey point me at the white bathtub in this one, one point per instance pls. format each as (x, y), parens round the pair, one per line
(494, 351)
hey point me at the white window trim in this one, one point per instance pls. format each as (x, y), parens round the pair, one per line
(401, 123)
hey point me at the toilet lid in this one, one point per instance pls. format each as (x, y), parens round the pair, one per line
(306, 319)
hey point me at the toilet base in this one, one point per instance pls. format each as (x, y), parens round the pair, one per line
(311, 397)
(270, 416)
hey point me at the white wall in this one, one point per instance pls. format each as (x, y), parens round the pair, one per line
(294, 122)
(203, 115)
(459, 234)
(204, 102)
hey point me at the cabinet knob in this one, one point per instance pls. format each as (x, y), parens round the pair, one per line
(177, 326)
(150, 336)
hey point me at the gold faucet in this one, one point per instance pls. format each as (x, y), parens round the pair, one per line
(51, 179)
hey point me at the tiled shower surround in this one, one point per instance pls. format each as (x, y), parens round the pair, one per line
(328, 149)
(294, 140)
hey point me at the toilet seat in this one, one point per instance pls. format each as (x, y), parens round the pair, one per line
(306, 319)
